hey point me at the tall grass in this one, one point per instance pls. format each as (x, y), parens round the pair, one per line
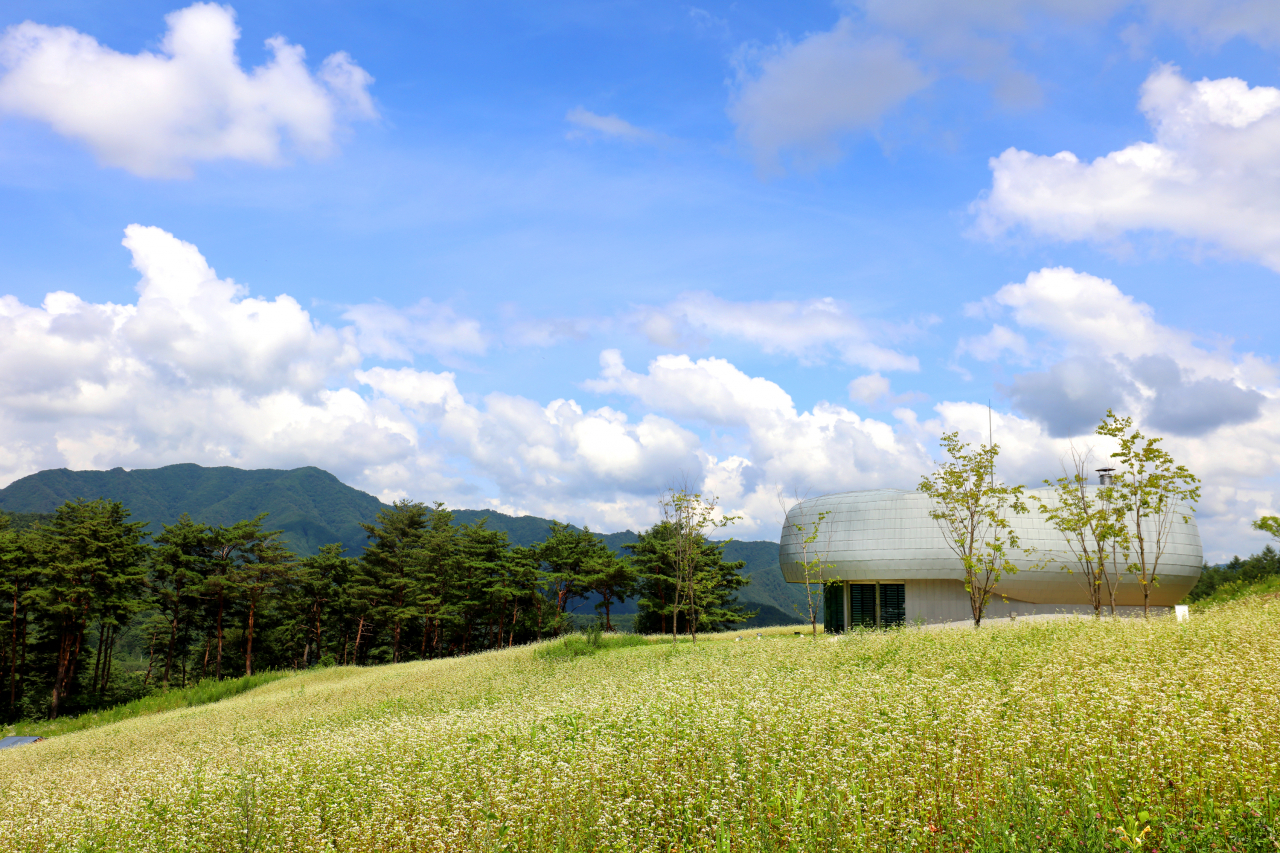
(200, 693)
(1072, 735)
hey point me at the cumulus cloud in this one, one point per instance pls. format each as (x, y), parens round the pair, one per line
(1186, 406)
(155, 114)
(200, 369)
(811, 330)
(588, 125)
(805, 98)
(1210, 175)
(1106, 350)
(827, 448)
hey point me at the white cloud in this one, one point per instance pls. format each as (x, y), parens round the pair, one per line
(810, 330)
(589, 125)
(1104, 349)
(805, 98)
(155, 114)
(1211, 175)
(828, 448)
(198, 369)
(1096, 347)
(873, 389)
(426, 327)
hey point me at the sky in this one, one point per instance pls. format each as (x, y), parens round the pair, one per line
(553, 258)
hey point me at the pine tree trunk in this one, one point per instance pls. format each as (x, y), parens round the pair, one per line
(248, 645)
(217, 667)
(355, 653)
(111, 654)
(150, 659)
(13, 658)
(168, 660)
(97, 659)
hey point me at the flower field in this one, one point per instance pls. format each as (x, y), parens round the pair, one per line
(1034, 736)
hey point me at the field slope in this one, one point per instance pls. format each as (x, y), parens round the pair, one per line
(1037, 736)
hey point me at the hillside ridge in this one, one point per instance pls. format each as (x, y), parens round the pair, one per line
(314, 508)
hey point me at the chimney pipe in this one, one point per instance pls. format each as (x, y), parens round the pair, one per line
(1104, 476)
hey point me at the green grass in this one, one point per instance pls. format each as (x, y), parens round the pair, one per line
(201, 693)
(585, 645)
(1033, 736)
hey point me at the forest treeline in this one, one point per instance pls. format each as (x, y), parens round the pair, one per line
(1237, 572)
(200, 601)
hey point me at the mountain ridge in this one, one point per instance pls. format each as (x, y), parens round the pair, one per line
(314, 508)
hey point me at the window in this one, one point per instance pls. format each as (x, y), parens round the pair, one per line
(893, 604)
(833, 608)
(862, 605)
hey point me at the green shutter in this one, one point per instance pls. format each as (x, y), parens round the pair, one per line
(893, 604)
(862, 605)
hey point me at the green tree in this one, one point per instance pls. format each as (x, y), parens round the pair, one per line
(225, 551)
(691, 518)
(1268, 524)
(566, 556)
(611, 578)
(93, 554)
(813, 558)
(318, 583)
(266, 564)
(971, 509)
(715, 584)
(18, 570)
(179, 565)
(1152, 492)
(652, 558)
(1091, 528)
(389, 561)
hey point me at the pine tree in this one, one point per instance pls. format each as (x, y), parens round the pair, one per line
(92, 557)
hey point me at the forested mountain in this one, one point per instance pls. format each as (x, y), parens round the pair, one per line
(315, 508)
(311, 506)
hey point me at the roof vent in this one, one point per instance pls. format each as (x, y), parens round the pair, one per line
(1104, 477)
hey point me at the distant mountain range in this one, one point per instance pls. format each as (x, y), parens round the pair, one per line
(315, 508)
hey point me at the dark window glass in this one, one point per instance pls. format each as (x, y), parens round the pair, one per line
(833, 608)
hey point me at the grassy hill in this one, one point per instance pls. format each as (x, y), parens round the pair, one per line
(1032, 736)
(314, 508)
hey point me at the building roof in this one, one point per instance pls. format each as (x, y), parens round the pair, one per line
(6, 742)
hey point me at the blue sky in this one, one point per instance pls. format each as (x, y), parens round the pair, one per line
(548, 257)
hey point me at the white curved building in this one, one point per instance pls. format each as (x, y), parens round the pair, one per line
(892, 564)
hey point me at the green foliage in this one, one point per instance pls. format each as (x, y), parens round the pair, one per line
(1151, 491)
(200, 693)
(971, 510)
(1268, 524)
(716, 582)
(1237, 578)
(1091, 522)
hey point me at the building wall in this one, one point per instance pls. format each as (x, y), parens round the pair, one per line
(933, 602)
(887, 535)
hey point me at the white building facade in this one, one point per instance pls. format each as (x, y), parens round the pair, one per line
(887, 563)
